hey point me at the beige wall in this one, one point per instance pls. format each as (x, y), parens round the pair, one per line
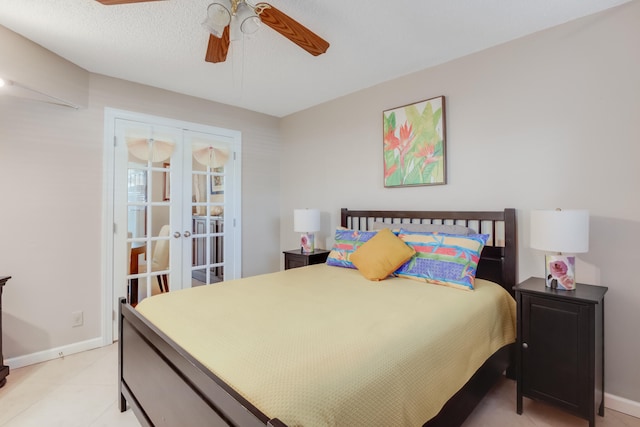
(41, 71)
(546, 121)
(51, 182)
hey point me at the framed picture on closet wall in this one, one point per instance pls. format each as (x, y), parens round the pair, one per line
(217, 181)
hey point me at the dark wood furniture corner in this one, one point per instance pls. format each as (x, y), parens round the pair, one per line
(561, 347)
(295, 259)
(4, 370)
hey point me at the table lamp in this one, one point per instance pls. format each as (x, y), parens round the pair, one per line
(307, 222)
(560, 231)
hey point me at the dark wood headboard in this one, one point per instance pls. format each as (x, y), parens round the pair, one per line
(499, 259)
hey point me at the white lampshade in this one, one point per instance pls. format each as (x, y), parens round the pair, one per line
(218, 17)
(560, 230)
(306, 220)
(214, 155)
(247, 19)
(150, 149)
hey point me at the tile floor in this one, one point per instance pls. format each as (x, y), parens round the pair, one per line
(498, 409)
(75, 391)
(81, 391)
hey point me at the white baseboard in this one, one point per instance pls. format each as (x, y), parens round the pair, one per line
(53, 353)
(621, 404)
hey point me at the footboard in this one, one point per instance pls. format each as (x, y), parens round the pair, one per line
(165, 386)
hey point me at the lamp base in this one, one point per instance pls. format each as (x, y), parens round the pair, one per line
(560, 272)
(307, 245)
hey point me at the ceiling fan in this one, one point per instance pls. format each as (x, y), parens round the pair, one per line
(225, 18)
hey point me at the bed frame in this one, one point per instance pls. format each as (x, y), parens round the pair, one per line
(165, 386)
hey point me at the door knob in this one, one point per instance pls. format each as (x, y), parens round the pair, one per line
(525, 345)
(187, 233)
(177, 234)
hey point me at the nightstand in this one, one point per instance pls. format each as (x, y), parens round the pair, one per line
(295, 259)
(561, 347)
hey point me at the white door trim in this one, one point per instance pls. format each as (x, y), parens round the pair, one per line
(109, 310)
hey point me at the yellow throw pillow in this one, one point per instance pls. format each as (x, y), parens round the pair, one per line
(381, 255)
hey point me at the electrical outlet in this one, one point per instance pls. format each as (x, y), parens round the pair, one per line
(77, 318)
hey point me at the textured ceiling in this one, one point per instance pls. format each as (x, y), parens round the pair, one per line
(162, 43)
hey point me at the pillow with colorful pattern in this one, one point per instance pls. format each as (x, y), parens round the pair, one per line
(346, 242)
(443, 259)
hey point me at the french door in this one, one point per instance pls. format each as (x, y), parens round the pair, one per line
(176, 195)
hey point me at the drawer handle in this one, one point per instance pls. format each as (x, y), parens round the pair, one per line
(525, 345)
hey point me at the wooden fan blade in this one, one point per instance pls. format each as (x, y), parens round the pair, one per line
(292, 29)
(114, 2)
(218, 47)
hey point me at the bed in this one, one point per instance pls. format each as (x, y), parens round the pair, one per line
(165, 385)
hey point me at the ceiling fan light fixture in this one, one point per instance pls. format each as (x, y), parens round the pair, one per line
(247, 19)
(218, 17)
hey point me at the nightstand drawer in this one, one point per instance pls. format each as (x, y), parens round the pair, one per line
(295, 258)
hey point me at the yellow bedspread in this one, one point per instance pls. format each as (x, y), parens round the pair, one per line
(322, 346)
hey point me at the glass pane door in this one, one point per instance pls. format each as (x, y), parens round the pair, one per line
(210, 164)
(146, 154)
(175, 208)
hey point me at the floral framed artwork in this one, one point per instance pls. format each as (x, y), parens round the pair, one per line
(414, 141)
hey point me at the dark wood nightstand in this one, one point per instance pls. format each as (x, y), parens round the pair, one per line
(561, 347)
(295, 259)
(4, 370)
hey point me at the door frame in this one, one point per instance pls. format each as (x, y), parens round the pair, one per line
(109, 316)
